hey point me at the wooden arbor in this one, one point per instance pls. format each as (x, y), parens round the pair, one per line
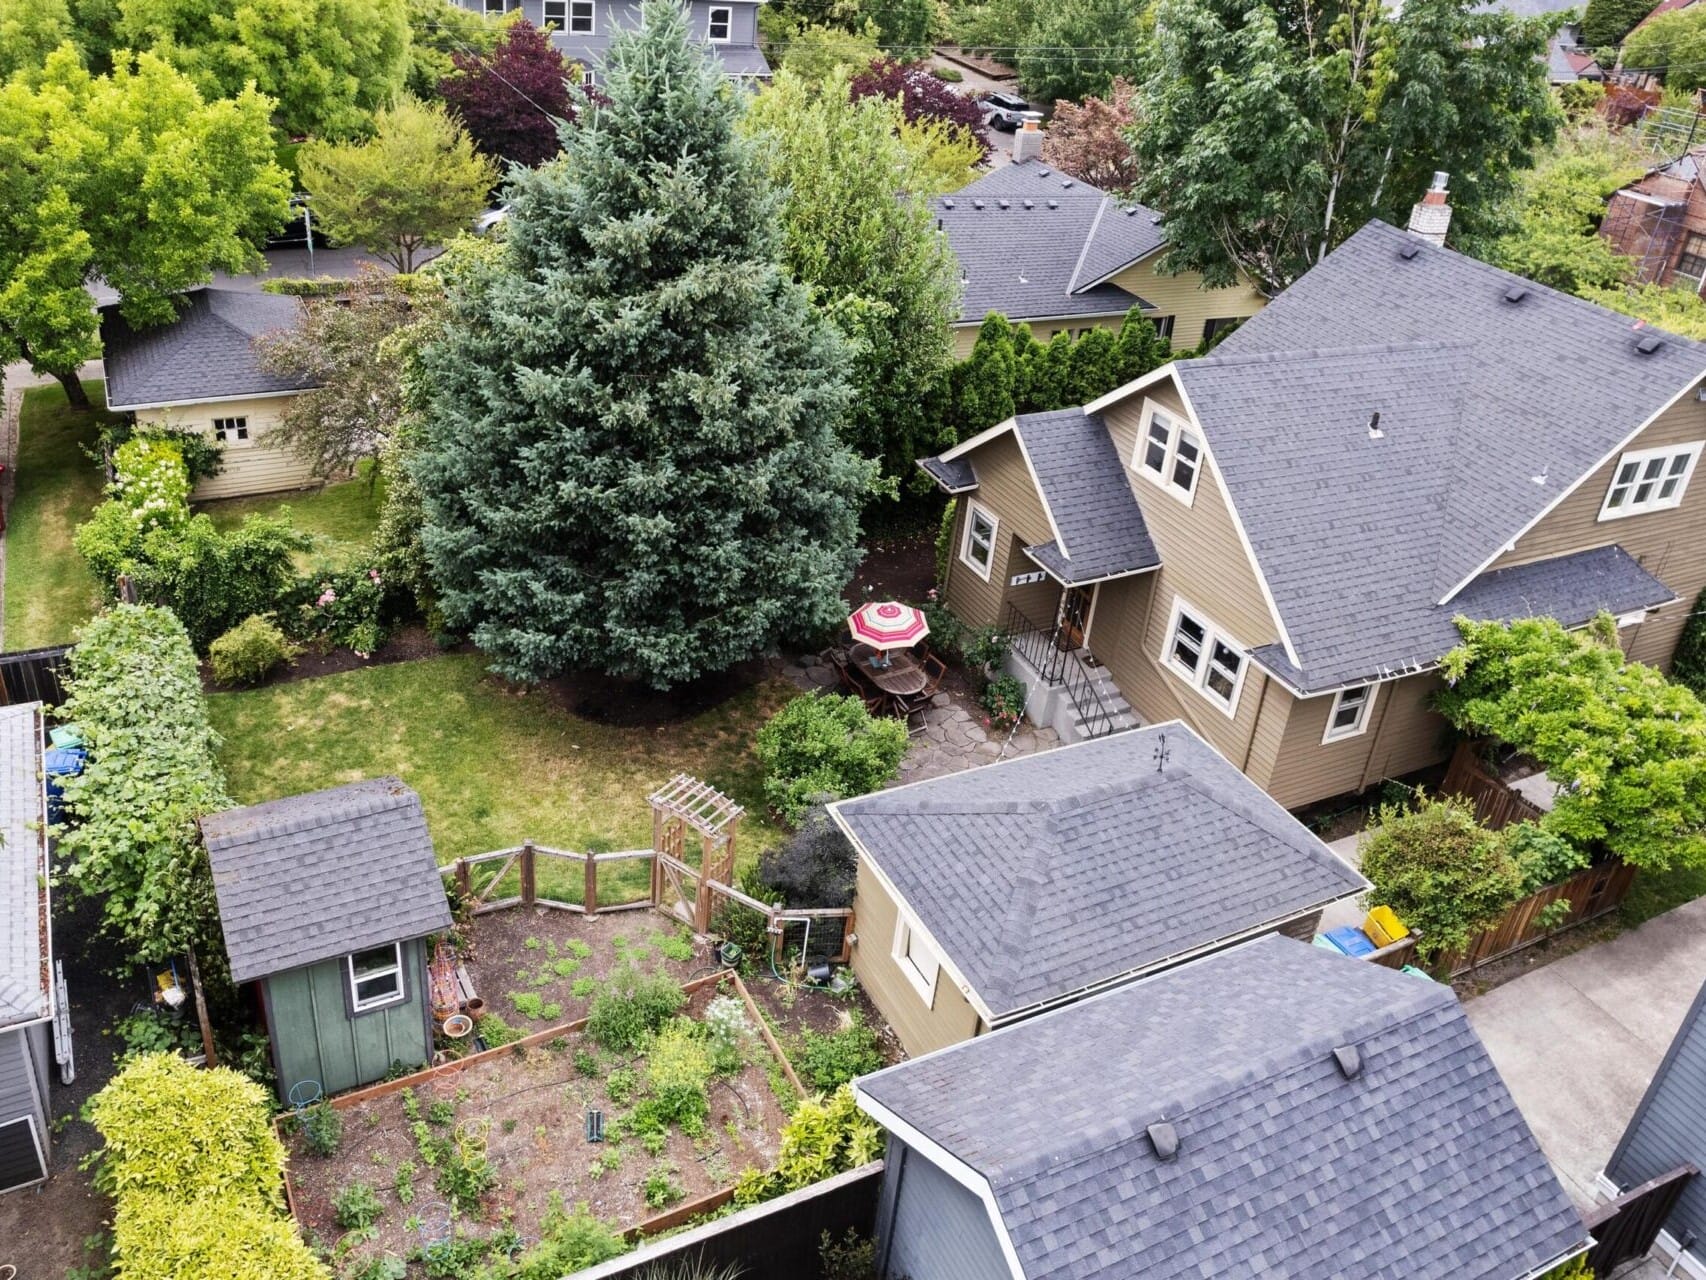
(683, 890)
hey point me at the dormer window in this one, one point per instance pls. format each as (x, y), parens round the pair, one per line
(1650, 480)
(1169, 453)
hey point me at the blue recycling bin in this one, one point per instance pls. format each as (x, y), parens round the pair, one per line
(57, 764)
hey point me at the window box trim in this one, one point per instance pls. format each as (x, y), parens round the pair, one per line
(1366, 718)
(906, 936)
(1639, 457)
(1213, 632)
(1180, 426)
(973, 510)
(358, 1006)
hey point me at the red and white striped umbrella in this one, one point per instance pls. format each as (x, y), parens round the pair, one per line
(887, 625)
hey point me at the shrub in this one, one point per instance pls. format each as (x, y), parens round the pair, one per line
(568, 1242)
(343, 609)
(632, 1007)
(729, 1031)
(828, 1061)
(821, 745)
(322, 1128)
(987, 648)
(817, 867)
(679, 1067)
(660, 1188)
(824, 1137)
(944, 548)
(1445, 875)
(1688, 663)
(741, 925)
(250, 651)
(495, 1031)
(1004, 700)
(464, 1171)
(1542, 858)
(161, 1235)
(854, 1257)
(356, 1206)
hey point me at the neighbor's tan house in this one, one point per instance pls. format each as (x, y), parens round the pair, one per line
(991, 895)
(200, 373)
(1065, 257)
(1272, 543)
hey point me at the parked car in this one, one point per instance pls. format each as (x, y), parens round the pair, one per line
(1006, 110)
(488, 222)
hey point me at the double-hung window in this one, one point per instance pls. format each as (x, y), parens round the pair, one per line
(1169, 453)
(917, 959)
(555, 13)
(230, 430)
(581, 21)
(1348, 716)
(1650, 480)
(978, 550)
(376, 978)
(719, 24)
(1691, 262)
(495, 8)
(1205, 657)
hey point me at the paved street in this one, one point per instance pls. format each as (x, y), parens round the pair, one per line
(1578, 1040)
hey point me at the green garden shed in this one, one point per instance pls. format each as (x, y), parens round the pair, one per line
(328, 901)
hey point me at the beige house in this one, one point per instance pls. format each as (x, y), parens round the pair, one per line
(199, 373)
(1272, 543)
(1042, 248)
(988, 896)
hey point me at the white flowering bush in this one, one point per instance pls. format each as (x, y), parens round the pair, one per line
(730, 1031)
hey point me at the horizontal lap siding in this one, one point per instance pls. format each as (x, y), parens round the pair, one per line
(1406, 734)
(251, 467)
(948, 1021)
(1183, 297)
(1004, 487)
(940, 1230)
(1669, 1130)
(1671, 545)
(20, 1160)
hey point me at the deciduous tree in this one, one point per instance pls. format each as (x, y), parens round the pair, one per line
(29, 31)
(631, 460)
(513, 99)
(1089, 140)
(438, 31)
(414, 184)
(922, 96)
(1673, 45)
(1606, 22)
(1075, 48)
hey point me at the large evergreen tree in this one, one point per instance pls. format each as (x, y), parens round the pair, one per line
(630, 461)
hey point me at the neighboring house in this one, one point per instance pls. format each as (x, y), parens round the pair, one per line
(1273, 1110)
(1660, 221)
(200, 373)
(1047, 250)
(1668, 1131)
(1567, 61)
(1272, 543)
(328, 902)
(990, 895)
(582, 29)
(26, 953)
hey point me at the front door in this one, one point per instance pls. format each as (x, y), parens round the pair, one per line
(1074, 617)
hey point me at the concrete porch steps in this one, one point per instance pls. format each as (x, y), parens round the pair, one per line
(1121, 716)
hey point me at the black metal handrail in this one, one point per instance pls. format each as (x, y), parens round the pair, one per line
(1038, 646)
(1093, 713)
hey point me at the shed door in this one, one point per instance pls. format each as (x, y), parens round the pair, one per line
(21, 1161)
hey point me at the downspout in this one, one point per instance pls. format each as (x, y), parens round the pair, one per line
(1261, 707)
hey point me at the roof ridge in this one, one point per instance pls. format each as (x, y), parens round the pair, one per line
(1236, 359)
(1084, 249)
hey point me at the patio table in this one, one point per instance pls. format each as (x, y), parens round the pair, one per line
(901, 678)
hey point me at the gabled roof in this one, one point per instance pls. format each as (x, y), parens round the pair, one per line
(312, 877)
(1034, 243)
(1417, 1166)
(207, 353)
(1041, 876)
(25, 983)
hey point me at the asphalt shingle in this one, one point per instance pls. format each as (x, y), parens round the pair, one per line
(311, 877)
(1087, 493)
(1420, 1166)
(1046, 874)
(23, 865)
(206, 353)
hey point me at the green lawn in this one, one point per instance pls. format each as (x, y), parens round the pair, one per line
(49, 591)
(493, 767)
(340, 517)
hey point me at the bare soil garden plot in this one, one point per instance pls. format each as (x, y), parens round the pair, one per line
(528, 1106)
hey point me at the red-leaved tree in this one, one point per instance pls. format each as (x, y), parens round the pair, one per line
(922, 96)
(1089, 141)
(510, 99)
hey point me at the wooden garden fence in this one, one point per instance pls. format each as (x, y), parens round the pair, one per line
(33, 675)
(1497, 806)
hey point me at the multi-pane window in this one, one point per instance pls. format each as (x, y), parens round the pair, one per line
(1212, 327)
(1692, 260)
(230, 430)
(1170, 453)
(917, 959)
(580, 17)
(1211, 661)
(376, 977)
(1348, 716)
(1650, 480)
(718, 25)
(979, 548)
(1163, 325)
(495, 8)
(555, 12)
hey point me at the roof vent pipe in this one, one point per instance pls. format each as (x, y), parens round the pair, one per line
(1165, 1139)
(1374, 431)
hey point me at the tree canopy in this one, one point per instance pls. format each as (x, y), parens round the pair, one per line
(30, 30)
(630, 462)
(511, 98)
(414, 184)
(1672, 45)
(1090, 140)
(922, 97)
(87, 163)
(1270, 133)
(1075, 48)
(1606, 22)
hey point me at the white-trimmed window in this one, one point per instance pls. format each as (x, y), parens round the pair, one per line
(978, 548)
(581, 20)
(719, 24)
(1204, 656)
(1169, 453)
(231, 430)
(376, 977)
(1650, 480)
(1348, 716)
(917, 959)
(555, 13)
(496, 8)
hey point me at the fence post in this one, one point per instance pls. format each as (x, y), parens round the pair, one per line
(657, 848)
(464, 881)
(589, 900)
(529, 880)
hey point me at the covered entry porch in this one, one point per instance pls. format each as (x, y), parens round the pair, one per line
(1068, 689)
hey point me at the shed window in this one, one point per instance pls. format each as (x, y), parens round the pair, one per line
(376, 977)
(230, 430)
(979, 548)
(917, 959)
(580, 17)
(1650, 480)
(1169, 453)
(1348, 715)
(718, 24)
(1208, 659)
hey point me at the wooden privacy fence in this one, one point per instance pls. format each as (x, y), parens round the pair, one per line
(1591, 894)
(1626, 1227)
(33, 675)
(1497, 806)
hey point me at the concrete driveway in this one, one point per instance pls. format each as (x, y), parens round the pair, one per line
(1579, 1039)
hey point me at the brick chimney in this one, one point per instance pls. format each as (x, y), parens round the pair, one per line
(1431, 219)
(1028, 138)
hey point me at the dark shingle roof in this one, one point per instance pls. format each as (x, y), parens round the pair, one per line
(1089, 497)
(1032, 242)
(23, 863)
(206, 353)
(311, 877)
(954, 475)
(1043, 875)
(1420, 1166)
(741, 59)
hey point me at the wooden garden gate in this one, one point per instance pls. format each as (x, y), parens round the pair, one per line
(679, 887)
(1626, 1227)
